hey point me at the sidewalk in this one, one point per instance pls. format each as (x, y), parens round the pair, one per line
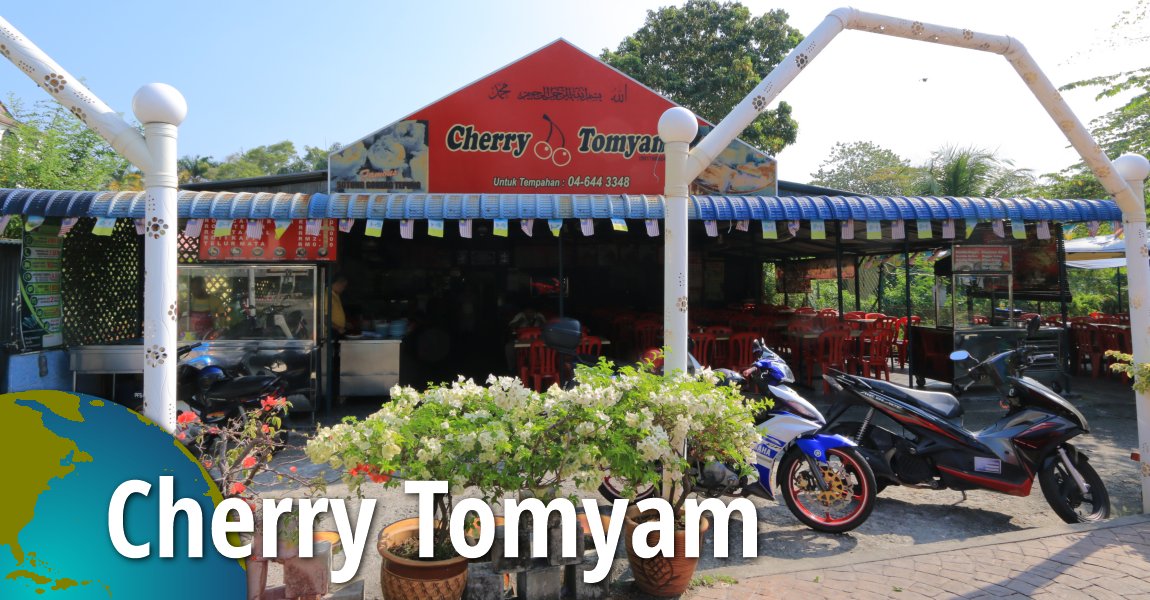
(1104, 560)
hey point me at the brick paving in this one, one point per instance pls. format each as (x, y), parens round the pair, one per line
(1099, 561)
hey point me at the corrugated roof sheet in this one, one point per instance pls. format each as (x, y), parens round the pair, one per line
(246, 205)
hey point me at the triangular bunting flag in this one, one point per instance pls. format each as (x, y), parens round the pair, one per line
(770, 230)
(465, 229)
(4, 222)
(104, 226)
(499, 228)
(948, 229)
(528, 226)
(999, 228)
(140, 228)
(407, 229)
(282, 225)
(556, 226)
(1043, 230)
(619, 224)
(33, 221)
(313, 226)
(898, 230)
(653, 227)
(373, 228)
(255, 229)
(1092, 228)
(970, 227)
(194, 227)
(848, 230)
(924, 230)
(874, 230)
(223, 228)
(65, 226)
(818, 230)
(435, 228)
(1018, 230)
(743, 225)
(345, 225)
(588, 226)
(793, 228)
(712, 228)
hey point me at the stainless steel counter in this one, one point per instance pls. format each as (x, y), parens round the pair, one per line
(368, 367)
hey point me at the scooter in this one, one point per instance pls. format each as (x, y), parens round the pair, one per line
(921, 441)
(823, 479)
(218, 396)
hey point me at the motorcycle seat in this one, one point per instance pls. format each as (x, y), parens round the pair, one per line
(240, 387)
(939, 403)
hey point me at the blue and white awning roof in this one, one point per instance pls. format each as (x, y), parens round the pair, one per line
(228, 205)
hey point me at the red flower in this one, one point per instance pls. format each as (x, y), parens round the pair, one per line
(293, 469)
(207, 464)
(213, 430)
(187, 417)
(238, 488)
(266, 429)
(272, 403)
(249, 462)
(371, 472)
(181, 436)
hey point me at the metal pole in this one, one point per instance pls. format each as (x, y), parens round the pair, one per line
(857, 288)
(677, 127)
(562, 283)
(161, 109)
(839, 270)
(1134, 169)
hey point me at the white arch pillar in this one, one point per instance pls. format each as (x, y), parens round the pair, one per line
(161, 109)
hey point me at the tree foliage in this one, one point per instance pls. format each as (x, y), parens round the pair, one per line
(970, 171)
(707, 56)
(866, 168)
(49, 148)
(275, 159)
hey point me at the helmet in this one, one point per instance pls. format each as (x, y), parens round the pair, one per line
(209, 376)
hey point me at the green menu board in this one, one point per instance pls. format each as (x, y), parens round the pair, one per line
(41, 315)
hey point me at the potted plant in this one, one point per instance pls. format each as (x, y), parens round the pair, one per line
(237, 455)
(661, 428)
(496, 438)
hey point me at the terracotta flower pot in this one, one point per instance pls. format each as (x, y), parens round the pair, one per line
(659, 575)
(404, 578)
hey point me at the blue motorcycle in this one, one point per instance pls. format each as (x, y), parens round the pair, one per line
(823, 479)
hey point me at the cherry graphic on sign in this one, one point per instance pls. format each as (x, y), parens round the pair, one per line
(543, 150)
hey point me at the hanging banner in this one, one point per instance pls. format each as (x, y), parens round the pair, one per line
(981, 259)
(557, 121)
(294, 244)
(795, 277)
(41, 308)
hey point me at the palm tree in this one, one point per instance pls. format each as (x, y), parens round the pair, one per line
(970, 171)
(193, 169)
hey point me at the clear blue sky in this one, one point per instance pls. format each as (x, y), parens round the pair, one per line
(315, 73)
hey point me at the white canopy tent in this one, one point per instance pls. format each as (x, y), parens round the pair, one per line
(1097, 252)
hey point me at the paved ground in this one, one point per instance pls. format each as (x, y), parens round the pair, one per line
(924, 543)
(1106, 560)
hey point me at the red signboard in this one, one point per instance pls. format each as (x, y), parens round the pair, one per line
(294, 244)
(556, 121)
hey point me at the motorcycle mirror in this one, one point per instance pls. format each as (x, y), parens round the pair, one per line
(958, 355)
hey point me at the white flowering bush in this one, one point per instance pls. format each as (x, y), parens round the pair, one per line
(653, 419)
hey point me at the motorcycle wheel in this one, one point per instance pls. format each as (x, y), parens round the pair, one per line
(850, 429)
(612, 489)
(848, 500)
(1070, 504)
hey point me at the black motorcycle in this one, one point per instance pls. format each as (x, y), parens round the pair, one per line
(219, 396)
(920, 440)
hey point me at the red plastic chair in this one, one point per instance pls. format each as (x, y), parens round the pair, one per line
(719, 352)
(830, 353)
(900, 341)
(740, 350)
(874, 315)
(874, 353)
(1087, 358)
(591, 345)
(855, 314)
(981, 320)
(834, 312)
(542, 366)
(648, 334)
(805, 310)
(704, 345)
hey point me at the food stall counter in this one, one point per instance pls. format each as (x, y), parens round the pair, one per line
(368, 367)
